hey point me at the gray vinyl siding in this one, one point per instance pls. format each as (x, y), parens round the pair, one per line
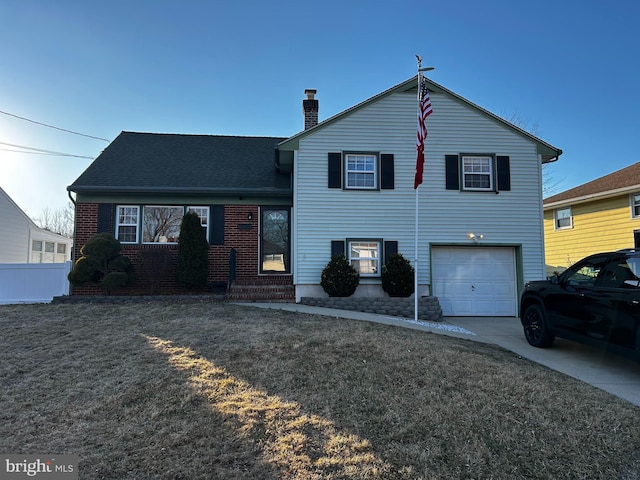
(446, 216)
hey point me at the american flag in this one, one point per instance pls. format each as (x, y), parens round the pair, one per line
(424, 111)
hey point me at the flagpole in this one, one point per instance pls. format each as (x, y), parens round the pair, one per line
(417, 223)
(424, 111)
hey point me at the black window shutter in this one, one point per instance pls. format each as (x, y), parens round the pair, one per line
(390, 249)
(504, 173)
(387, 174)
(335, 170)
(216, 229)
(337, 247)
(452, 165)
(105, 218)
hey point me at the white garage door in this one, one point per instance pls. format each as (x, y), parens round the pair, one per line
(475, 281)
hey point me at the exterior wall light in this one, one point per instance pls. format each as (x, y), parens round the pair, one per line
(475, 237)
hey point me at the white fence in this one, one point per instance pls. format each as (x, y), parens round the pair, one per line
(33, 282)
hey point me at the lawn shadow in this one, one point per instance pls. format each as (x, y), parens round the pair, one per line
(297, 444)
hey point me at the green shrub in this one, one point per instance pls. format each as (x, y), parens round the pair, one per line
(115, 280)
(193, 253)
(100, 260)
(339, 278)
(398, 277)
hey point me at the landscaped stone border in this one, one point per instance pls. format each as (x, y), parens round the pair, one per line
(428, 307)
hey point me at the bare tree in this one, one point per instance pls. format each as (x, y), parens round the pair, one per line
(550, 185)
(59, 221)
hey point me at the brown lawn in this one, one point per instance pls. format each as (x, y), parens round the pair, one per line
(170, 390)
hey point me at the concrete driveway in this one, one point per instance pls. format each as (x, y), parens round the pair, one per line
(615, 374)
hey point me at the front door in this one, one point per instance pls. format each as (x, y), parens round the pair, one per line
(275, 240)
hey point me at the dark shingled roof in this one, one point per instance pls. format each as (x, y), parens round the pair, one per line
(161, 163)
(627, 177)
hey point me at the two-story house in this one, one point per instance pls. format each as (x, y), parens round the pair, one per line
(277, 209)
(598, 216)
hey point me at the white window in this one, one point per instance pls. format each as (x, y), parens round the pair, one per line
(127, 221)
(36, 251)
(361, 170)
(477, 173)
(48, 252)
(635, 205)
(157, 224)
(61, 252)
(203, 215)
(161, 224)
(364, 255)
(563, 218)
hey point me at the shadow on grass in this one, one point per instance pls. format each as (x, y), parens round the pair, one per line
(298, 444)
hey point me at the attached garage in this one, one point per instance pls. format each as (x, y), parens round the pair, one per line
(475, 281)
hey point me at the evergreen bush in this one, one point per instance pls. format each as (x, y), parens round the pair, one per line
(102, 263)
(398, 277)
(339, 278)
(193, 253)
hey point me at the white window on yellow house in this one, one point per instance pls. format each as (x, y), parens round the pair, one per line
(635, 205)
(563, 218)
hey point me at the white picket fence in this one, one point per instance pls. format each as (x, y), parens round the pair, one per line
(33, 282)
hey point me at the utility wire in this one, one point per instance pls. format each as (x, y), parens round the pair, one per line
(51, 126)
(43, 153)
(40, 151)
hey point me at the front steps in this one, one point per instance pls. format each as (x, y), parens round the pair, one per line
(261, 293)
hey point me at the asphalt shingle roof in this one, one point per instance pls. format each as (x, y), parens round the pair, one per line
(158, 162)
(627, 177)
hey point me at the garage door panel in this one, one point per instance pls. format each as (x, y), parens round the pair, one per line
(475, 280)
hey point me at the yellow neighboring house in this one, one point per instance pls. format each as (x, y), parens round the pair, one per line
(598, 216)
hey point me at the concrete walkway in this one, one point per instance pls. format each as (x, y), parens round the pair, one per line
(615, 374)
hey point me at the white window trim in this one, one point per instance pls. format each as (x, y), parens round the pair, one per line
(491, 174)
(374, 173)
(207, 217)
(140, 220)
(137, 225)
(142, 223)
(555, 219)
(48, 252)
(633, 204)
(377, 259)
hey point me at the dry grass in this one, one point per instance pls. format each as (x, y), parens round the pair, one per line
(216, 391)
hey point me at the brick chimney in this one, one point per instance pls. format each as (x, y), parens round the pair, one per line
(310, 109)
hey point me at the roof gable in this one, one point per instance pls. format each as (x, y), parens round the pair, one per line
(617, 182)
(169, 163)
(548, 152)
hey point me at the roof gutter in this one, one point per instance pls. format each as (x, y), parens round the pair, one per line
(593, 196)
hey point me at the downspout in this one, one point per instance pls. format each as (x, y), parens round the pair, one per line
(73, 246)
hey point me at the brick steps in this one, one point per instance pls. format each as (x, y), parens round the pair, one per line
(261, 293)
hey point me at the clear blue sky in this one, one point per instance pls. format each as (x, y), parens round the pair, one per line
(568, 68)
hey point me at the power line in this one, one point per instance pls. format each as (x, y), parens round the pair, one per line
(39, 151)
(51, 126)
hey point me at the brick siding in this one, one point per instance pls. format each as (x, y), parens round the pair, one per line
(239, 233)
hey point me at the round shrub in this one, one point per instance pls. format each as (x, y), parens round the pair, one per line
(398, 276)
(100, 260)
(115, 280)
(339, 278)
(86, 270)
